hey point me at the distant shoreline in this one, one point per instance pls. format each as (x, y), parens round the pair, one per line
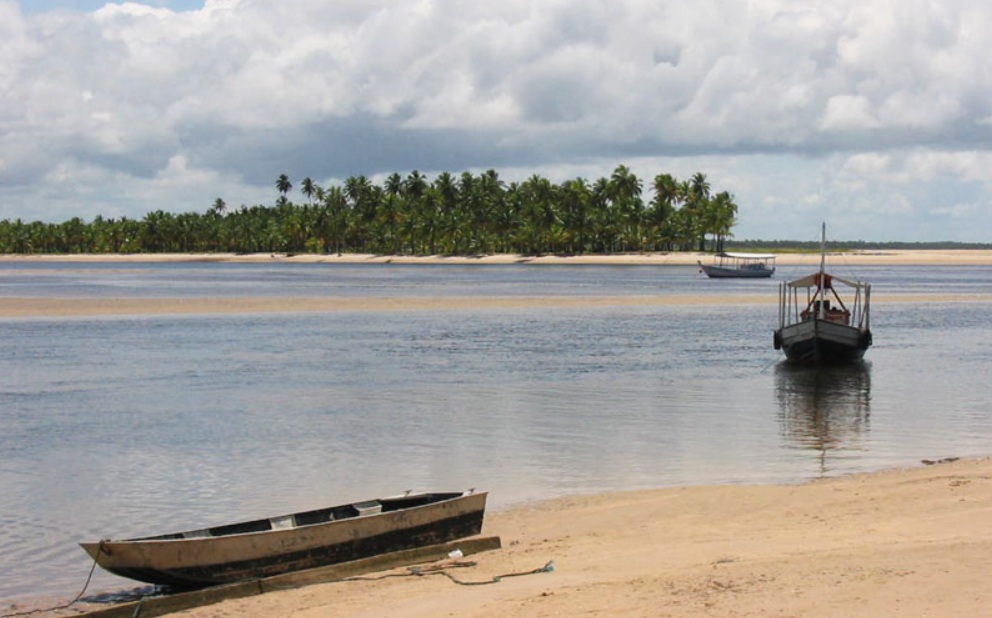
(868, 257)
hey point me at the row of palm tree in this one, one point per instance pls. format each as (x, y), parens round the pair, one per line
(413, 215)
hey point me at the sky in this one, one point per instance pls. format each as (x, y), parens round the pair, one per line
(873, 116)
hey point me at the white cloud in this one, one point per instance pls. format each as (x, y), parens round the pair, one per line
(868, 164)
(791, 102)
(963, 166)
(966, 212)
(848, 113)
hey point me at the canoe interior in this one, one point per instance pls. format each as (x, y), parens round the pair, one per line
(310, 518)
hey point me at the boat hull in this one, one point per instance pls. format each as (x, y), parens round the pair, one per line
(188, 563)
(716, 272)
(815, 341)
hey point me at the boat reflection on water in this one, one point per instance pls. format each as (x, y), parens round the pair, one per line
(825, 409)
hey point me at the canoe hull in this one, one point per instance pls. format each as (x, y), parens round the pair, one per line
(187, 563)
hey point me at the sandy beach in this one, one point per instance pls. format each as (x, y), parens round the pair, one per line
(910, 542)
(853, 258)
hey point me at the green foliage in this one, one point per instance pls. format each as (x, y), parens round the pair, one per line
(465, 215)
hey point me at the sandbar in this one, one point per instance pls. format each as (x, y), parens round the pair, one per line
(43, 307)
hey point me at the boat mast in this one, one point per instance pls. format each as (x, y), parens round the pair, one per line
(823, 246)
(821, 283)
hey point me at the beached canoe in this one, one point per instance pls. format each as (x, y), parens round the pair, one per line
(310, 539)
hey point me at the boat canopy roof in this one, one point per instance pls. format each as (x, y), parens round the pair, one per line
(748, 256)
(812, 281)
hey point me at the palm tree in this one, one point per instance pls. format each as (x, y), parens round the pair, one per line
(447, 202)
(624, 190)
(666, 188)
(158, 232)
(419, 229)
(472, 219)
(575, 214)
(723, 217)
(363, 200)
(506, 217)
(700, 186)
(218, 208)
(308, 188)
(666, 195)
(604, 217)
(540, 215)
(336, 221)
(393, 185)
(491, 193)
(697, 192)
(393, 213)
(283, 185)
(681, 230)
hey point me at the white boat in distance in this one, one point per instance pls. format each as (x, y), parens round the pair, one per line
(743, 265)
(819, 327)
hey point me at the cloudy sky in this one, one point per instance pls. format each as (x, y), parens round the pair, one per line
(872, 115)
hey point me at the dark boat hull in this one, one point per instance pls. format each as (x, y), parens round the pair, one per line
(188, 563)
(821, 342)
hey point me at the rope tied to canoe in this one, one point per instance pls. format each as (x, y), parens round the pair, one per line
(86, 585)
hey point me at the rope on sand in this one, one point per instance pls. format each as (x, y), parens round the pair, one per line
(547, 568)
(442, 569)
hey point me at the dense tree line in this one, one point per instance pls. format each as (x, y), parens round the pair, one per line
(413, 215)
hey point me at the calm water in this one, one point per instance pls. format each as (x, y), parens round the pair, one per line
(138, 425)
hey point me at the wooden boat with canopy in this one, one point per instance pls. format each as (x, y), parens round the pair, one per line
(819, 325)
